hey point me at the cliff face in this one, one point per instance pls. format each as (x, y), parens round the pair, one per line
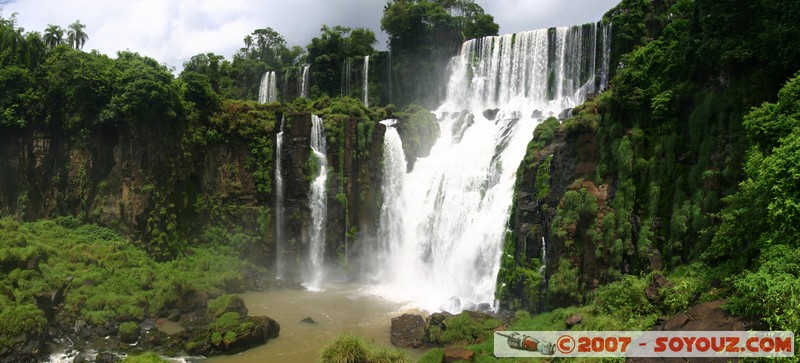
(171, 187)
(132, 178)
(557, 219)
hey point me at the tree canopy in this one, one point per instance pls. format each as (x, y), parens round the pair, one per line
(328, 52)
(423, 36)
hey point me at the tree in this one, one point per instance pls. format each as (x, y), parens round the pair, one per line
(423, 36)
(328, 52)
(248, 42)
(53, 35)
(76, 36)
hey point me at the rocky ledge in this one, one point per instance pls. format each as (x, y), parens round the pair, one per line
(201, 327)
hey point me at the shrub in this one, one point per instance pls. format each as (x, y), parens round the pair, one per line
(148, 357)
(434, 355)
(350, 348)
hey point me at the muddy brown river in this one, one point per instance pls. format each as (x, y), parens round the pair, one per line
(337, 309)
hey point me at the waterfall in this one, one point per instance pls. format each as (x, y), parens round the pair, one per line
(346, 77)
(279, 196)
(443, 225)
(304, 81)
(544, 256)
(284, 91)
(318, 204)
(268, 91)
(389, 72)
(606, 56)
(366, 81)
(394, 169)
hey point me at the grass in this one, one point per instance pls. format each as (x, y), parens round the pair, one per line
(350, 348)
(105, 276)
(148, 357)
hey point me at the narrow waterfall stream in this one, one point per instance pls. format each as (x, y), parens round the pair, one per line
(318, 205)
(366, 81)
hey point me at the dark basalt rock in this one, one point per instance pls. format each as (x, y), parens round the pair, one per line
(106, 357)
(537, 114)
(565, 114)
(491, 114)
(246, 333)
(408, 331)
(656, 284)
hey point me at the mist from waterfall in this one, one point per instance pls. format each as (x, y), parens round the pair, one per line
(443, 223)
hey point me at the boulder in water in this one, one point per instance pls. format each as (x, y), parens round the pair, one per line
(408, 331)
(537, 114)
(309, 320)
(565, 114)
(491, 114)
(106, 357)
(232, 333)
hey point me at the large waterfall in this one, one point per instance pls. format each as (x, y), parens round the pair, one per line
(443, 223)
(318, 204)
(366, 81)
(268, 91)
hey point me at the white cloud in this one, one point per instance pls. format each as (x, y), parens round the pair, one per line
(172, 31)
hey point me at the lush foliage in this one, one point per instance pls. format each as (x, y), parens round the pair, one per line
(423, 36)
(760, 225)
(328, 53)
(148, 357)
(350, 348)
(102, 275)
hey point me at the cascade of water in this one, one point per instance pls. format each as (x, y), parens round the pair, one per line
(304, 80)
(544, 255)
(394, 169)
(443, 225)
(606, 56)
(284, 90)
(268, 90)
(279, 235)
(346, 76)
(366, 81)
(389, 72)
(318, 204)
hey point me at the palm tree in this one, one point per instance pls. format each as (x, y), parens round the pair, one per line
(53, 35)
(76, 36)
(248, 42)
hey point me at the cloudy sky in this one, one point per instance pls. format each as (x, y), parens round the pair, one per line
(172, 31)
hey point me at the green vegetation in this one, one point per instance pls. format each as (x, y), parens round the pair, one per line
(148, 357)
(328, 53)
(423, 36)
(418, 129)
(462, 328)
(692, 174)
(224, 304)
(103, 275)
(350, 348)
(544, 133)
(767, 244)
(433, 355)
(127, 328)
